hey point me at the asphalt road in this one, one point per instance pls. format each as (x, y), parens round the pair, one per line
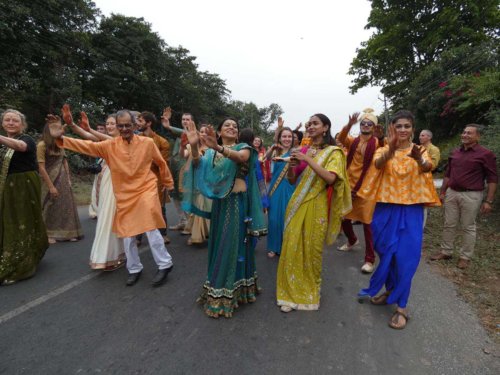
(71, 320)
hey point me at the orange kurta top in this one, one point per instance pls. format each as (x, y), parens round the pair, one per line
(362, 209)
(401, 181)
(134, 184)
(164, 148)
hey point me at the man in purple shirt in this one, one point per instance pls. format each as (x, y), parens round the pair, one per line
(469, 168)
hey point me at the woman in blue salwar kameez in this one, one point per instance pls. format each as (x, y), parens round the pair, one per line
(401, 185)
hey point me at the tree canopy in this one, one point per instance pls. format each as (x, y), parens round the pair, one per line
(421, 49)
(59, 51)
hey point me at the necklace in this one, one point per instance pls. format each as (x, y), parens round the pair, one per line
(314, 148)
(404, 147)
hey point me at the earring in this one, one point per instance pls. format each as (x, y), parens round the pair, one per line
(324, 133)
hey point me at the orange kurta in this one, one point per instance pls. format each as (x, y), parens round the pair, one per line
(164, 148)
(401, 181)
(362, 209)
(134, 184)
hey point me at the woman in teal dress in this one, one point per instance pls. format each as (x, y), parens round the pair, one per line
(280, 190)
(236, 216)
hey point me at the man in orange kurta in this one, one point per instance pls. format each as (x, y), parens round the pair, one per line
(359, 158)
(138, 210)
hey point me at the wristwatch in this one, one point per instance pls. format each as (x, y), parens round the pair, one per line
(487, 201)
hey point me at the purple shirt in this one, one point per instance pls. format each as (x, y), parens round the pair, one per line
(469, 169)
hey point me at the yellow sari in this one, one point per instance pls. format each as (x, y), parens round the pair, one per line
(310, 220)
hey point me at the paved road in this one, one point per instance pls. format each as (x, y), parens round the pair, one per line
(71, 320)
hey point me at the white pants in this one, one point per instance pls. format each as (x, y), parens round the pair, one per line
(160, 253)
(182, 215)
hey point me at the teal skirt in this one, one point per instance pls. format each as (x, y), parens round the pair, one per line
(23, 238)
(232, 277)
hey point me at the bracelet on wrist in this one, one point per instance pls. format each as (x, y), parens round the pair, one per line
(487, 201)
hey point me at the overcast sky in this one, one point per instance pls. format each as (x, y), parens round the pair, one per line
(294, 53)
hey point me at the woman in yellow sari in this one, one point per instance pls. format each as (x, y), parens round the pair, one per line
(313, 216)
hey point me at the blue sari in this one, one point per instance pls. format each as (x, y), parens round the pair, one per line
(234, 219)
(280, 192)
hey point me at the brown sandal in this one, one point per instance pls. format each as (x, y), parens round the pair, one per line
(393, 323)
(380, 300)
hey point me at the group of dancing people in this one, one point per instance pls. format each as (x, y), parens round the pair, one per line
(222, 183)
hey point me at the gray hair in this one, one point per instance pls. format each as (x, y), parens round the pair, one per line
(16, 112)
(479, 128)
(125, 112)
(428, 132)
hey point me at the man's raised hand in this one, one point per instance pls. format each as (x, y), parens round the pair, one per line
(353, 119)
(84, 122)
(66, 114)
(166, 116)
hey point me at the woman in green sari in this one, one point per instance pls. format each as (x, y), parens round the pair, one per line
(312, 217)
(23, 239)
(236, 216)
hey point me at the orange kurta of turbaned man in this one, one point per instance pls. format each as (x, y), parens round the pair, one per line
(362, 209)
(401, 181)
(134, 184)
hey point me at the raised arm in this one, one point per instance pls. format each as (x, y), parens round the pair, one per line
(165, 123)
(96, 149)
(210, 139)
(344, 133)
(392, 142)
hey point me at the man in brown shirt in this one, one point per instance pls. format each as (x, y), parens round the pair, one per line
(145, 121)
(469, 168)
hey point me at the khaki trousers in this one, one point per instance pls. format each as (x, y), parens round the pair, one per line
(460, 207)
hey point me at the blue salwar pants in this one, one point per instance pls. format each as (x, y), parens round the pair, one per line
(397, 234)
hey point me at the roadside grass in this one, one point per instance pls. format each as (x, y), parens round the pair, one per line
(82, 188)
(479, 284)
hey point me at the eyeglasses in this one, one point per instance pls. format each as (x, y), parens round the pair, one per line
(127, 126)
(366, 123)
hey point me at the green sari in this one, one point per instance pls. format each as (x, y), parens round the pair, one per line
(23, 239)
(236, 219)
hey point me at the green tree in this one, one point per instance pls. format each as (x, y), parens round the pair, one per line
(410, 35)
(432, 97)
(43, 46)
(269, 115)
